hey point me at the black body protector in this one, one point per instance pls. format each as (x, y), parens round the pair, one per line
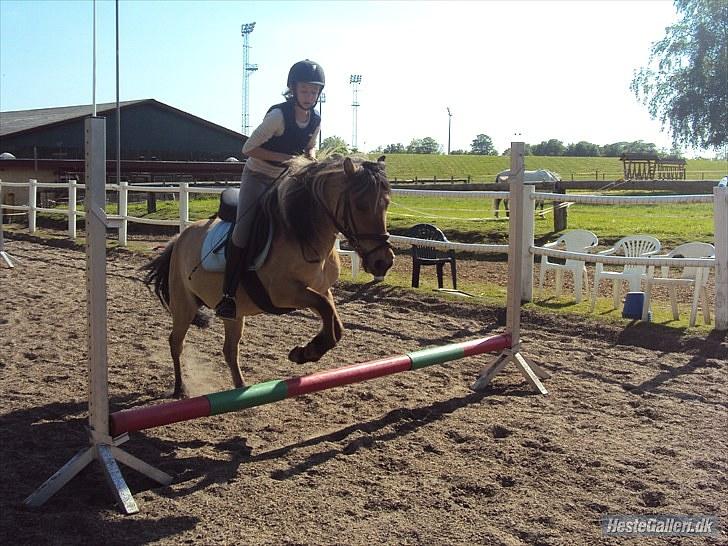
(294, 139)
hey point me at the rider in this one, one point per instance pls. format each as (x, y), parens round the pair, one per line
(288, 129)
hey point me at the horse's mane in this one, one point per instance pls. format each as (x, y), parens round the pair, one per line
(293, 204)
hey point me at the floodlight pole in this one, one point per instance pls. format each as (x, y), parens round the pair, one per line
(354, 80)
(322, 100)
(245, 30)
(449, 120)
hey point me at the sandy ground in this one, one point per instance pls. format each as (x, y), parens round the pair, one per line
(635, 422)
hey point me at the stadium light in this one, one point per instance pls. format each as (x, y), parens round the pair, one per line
(354, 80)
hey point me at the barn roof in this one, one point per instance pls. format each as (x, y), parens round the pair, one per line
(22, 121)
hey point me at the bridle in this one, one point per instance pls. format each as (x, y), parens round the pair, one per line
(347, 227)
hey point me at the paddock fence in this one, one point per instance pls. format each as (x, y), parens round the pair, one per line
(184, 190)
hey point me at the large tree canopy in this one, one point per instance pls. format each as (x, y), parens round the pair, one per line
(684, 84)
(483, 145)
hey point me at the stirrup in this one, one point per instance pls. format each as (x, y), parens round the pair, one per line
(226, 309)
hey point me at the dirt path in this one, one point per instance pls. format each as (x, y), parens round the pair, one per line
(635, 422)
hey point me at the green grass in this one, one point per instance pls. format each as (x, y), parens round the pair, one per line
(484, 168)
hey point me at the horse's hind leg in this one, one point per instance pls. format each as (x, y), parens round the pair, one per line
(233, 333)
(331, 327)
(183, 310)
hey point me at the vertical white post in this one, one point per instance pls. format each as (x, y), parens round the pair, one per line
(184, 206)
(527, 235)
(515, 241)
(72, 208)
(720, 221)
(32, 200)
(95, 145)
(4, 258)
(123, 211)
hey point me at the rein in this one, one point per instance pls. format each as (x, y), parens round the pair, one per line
(348, 228)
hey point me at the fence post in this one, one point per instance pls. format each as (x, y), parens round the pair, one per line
(123, 211)
(72, 208)
(32, 199)
(184, 206)
(528, 220)
(560, 211)
(720, 222)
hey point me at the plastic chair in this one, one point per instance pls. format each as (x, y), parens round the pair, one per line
(578, 240)
(429, 256)
(353, 256)
(633, 246)
(695, 276)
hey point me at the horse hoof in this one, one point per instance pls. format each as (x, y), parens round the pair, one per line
(296, 355)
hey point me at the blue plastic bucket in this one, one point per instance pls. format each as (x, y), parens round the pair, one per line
(633, 303)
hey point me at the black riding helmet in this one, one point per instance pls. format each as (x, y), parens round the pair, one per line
(306, 71)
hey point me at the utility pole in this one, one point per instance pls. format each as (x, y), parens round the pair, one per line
(354, 80)
(322, 100)
(449, 120)
(245, 30)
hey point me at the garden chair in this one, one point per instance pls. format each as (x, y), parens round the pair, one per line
(632, 247)
(353, 256)
(577, 240)
(689, 276)
(429, 256)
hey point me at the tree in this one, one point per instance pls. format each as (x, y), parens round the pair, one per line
(335, 145)
(684, 84)
(641, 147)
(615, 149)
(427, 145)
(582, 149)
(550, 147)
(394, 149)
(482, 145)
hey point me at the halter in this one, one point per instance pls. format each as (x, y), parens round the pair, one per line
(348, 228)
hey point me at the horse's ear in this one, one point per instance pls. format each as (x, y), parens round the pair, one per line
(349, 167)
(381, 159)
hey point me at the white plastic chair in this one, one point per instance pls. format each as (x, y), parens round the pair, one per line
(577, 240)
(633, 246)
(352, 254)
(695, 276)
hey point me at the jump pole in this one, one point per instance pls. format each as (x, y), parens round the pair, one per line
(146, 417)
(520, 269)
(103, 447)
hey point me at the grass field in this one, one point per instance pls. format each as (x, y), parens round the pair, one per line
(484, 168)
(472, 220)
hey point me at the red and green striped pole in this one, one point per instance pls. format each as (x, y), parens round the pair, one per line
(135, 419)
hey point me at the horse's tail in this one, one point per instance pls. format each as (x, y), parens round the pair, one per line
(157, 278)
(157, 273)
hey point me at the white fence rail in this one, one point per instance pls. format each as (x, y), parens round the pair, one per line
(183, 191)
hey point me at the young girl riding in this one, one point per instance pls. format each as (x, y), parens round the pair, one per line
(288, 129)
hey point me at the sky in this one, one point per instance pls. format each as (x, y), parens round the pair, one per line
(516, 70)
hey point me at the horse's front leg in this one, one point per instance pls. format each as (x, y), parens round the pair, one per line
(233, 333)
(331, 326)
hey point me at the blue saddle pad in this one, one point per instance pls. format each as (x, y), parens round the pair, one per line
(213, 248)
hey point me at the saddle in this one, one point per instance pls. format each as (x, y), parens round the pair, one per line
(261, 238)
(216, 240)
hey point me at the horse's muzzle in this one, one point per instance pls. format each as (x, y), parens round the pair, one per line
(379, 262)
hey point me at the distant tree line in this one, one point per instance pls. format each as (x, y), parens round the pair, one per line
(555, 147)
(482, 144)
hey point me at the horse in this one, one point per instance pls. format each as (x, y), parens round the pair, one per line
(541, 175)
(306, 208)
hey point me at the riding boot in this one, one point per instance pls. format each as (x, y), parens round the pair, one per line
(234, 257)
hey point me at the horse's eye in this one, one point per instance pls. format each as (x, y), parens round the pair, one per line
(360, 205)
